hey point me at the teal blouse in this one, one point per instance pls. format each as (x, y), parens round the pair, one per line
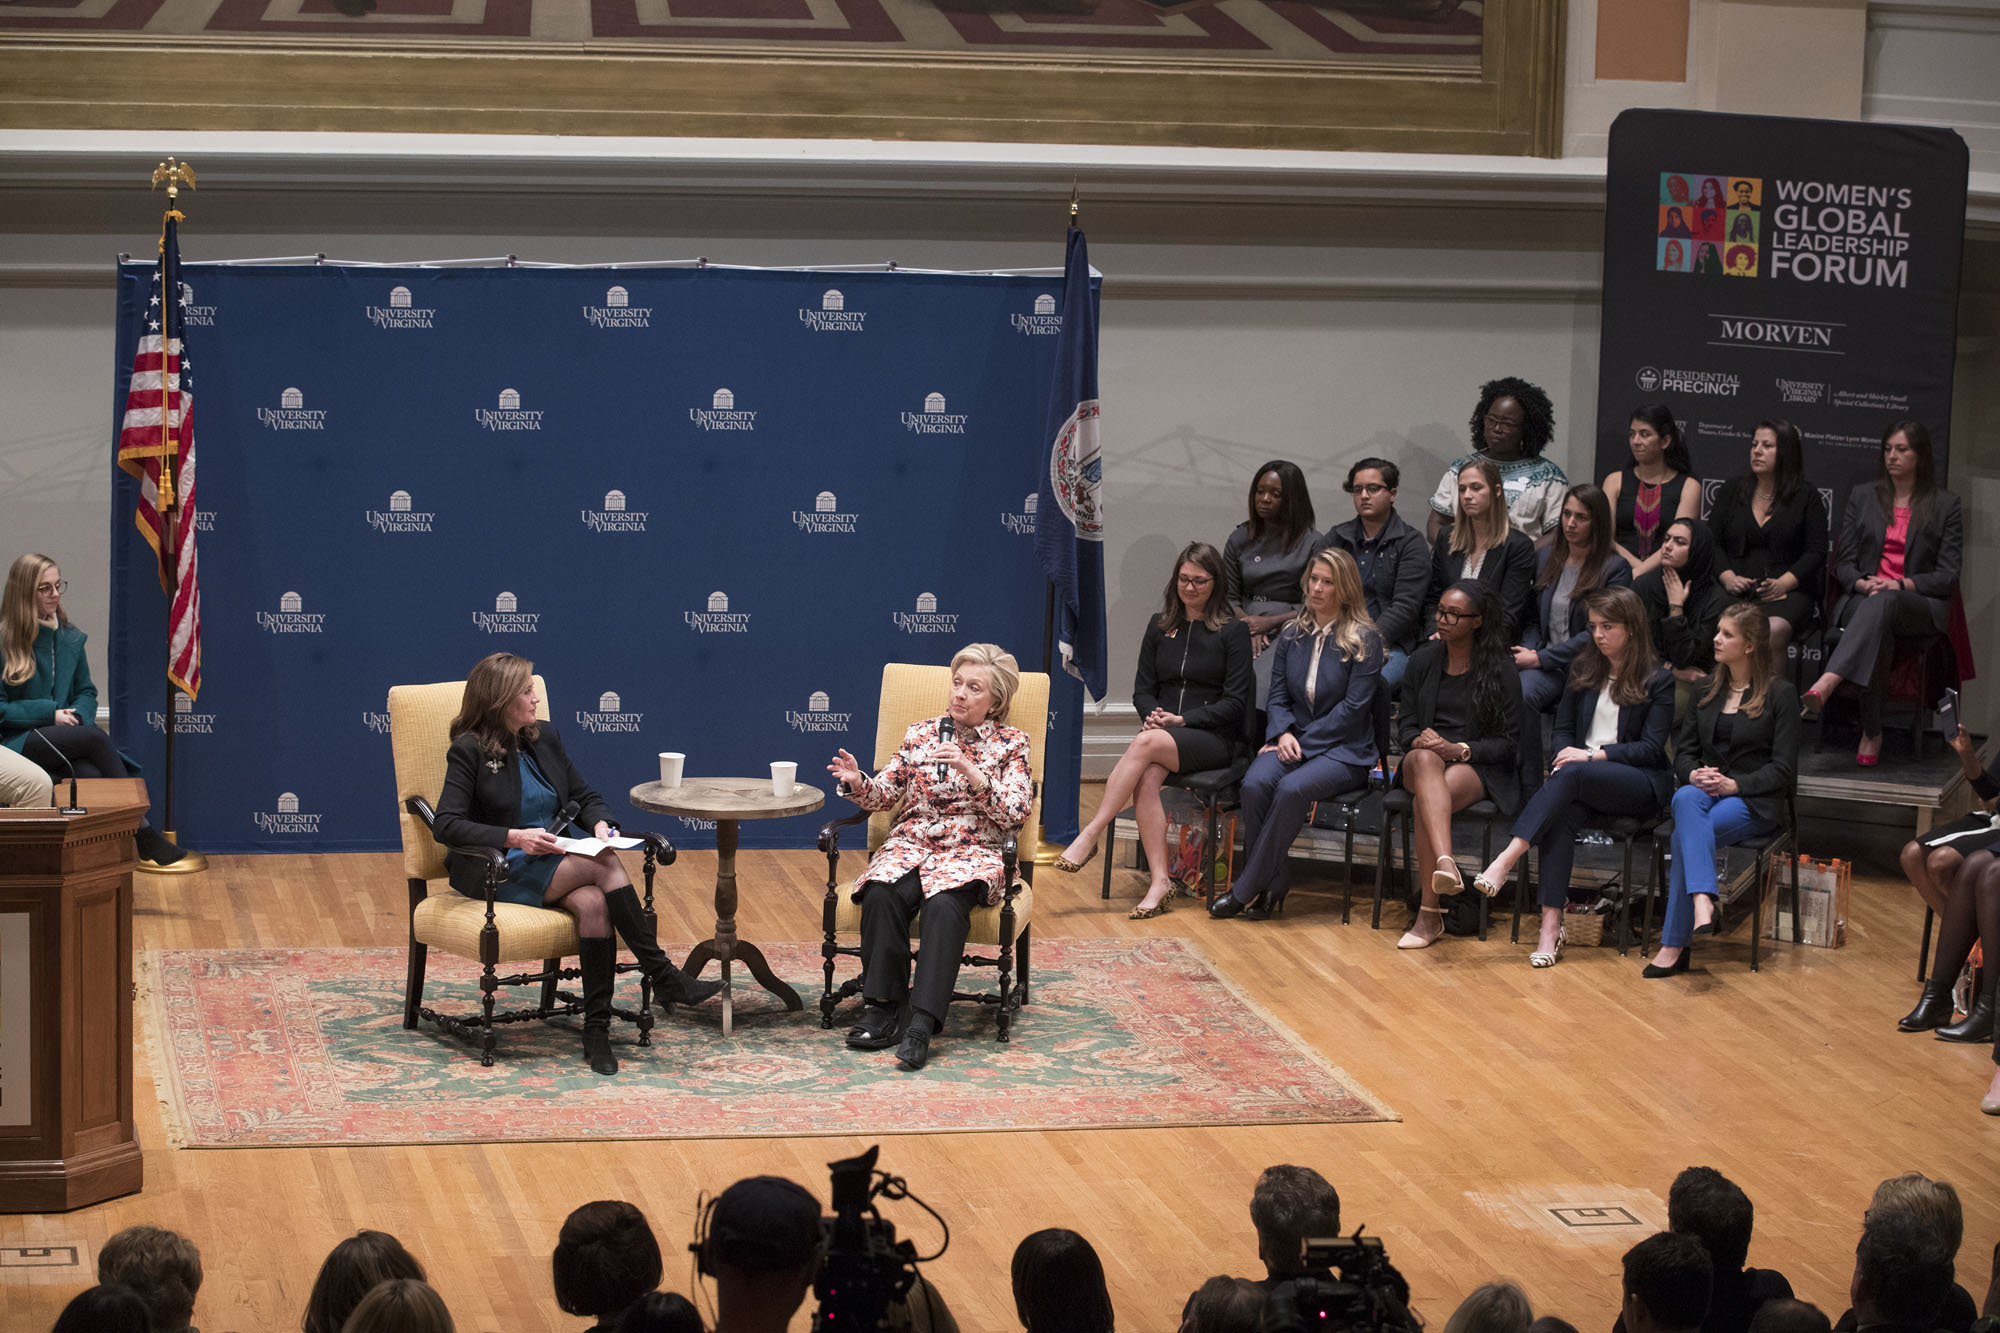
(61, 680)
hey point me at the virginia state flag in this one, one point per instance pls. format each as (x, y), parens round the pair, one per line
(1069, 517)
(1069, 542)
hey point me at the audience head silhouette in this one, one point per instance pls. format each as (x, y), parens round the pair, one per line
(1902, 1273)
(1497, 1307)
(1059, 1284)
(400, 1305)
(605, 1259)
(1790, 1316)
(352, 1268)
(762, 1246)
(1668, 1278)
(105, 1308)
(1707, 1205)
(1225, 1305)
(662, 1312)
(1290, 1204)
(164, 1267)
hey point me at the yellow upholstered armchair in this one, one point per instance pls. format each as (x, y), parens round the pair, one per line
(911, 694)
(485, 931)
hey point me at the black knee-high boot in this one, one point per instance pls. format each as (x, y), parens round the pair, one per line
(670, 984)
(599, 962)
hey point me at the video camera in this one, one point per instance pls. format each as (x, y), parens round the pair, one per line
(1368, 1294)
(867, 1273)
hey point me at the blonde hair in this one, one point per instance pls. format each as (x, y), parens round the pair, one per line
(1001, 669)
(400, 1305)
(1351, 618)
(494, 682)
(1749, 622)
(17, 617)
(1931, 1202)
(1469, 535)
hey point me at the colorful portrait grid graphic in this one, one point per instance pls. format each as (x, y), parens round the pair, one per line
(1709, 224)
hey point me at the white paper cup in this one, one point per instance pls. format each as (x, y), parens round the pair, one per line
(671, 764)
(784, 776)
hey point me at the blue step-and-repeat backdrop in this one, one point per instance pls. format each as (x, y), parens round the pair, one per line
(709, 504)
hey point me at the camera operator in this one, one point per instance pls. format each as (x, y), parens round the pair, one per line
(762, 1246)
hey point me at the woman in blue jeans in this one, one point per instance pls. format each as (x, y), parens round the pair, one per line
(1327, 666)
(1611, 755)
(1737, 751)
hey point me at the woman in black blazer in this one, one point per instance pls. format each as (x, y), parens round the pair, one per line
(1611, 755)
(1483, 544)
(1901, 546)
(1579, 561)
(1771, 526)
(507, 779)
(1684, 601)
(1736, 751)
(1192, 688)
(1460, 729)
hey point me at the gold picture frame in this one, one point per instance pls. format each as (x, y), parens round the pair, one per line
(1511, 105)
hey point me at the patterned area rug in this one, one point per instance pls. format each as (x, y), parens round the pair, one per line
(276, 1048)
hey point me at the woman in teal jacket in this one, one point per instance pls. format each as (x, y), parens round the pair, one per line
(48, 705)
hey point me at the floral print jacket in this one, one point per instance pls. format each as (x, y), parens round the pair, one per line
(942, 826)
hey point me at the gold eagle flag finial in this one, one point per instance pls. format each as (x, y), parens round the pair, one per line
(173, 175)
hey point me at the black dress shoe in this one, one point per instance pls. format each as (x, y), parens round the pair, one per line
(1263, 907)
(155, 847)
(1976, 1026)
(597, 1050)
(673, 986)
(877, 1029)
(1933, 1009)
(915, 1048)
(1226, 906)
(1653, 973)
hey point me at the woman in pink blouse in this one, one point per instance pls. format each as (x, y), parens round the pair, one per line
(959, 785)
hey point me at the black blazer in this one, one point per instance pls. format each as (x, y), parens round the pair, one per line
(1509, 570)
(1763, 750)
(1495, 755)
(1200, 673)
(1794, 535)
(1401, 577)
(1643, 730)
(1931, 561)
(1559, 644)
(482, 799)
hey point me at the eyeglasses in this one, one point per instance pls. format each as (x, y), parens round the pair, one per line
(1371, 488)
(1445, 617)
(1495, 419)
(58, 588)
(1200, 581)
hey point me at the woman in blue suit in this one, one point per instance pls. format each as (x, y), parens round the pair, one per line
(1612, 728)
(1581, 560)
(1321, 734)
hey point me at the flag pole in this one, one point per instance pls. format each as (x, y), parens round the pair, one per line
(173, 175)
(1048, 585)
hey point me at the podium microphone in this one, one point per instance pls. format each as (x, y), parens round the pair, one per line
(72, 808)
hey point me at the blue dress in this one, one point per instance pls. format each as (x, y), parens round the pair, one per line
(528, 876)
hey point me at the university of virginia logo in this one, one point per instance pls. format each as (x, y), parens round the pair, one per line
(192, 315)
(1021, 523)
(926, 619)
(723, 413)
(187, 722)
(614, 517)
(618, 312)
(399, 517)
(291, 617)
(718, 619)
(291, 413)
(1076, 471)
(376, 722)
(934, 420)
(1044, 323)
(833, 316)
(287, 818)
(509, 415)
(610, 715)
(818, 716)
(399, 313)
(824, 516)
(507, 617)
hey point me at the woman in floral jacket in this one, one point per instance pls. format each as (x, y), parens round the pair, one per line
(959, 785)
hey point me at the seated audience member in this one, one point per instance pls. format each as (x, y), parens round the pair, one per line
(351, 1269)
(1394, 559)
(662, 1312)
(1460, 726)
(958, 785)
(105, 1308)
(762, 1246)
(24, 784)
(1059, 1284)
(1497, 1307)
(1481, 546)
(1971, 912)
(1192, 688)
(1789, 1316)
(1549, 1323)
(1224, 1305)
(1902, 543)
(162, 1266)
(1902, 1274)
(1736, 752)
(1667, 1282)
(1289, 1206)
(606, 1258)
(1655, 487)
(1265, 558)
(1513, 423)
(1683, 600)
(1707, 1205)
(1771, 528)
(1611, 736)
(1576, 564)
(1320, 728)
(400, 1305)
(1934, 1203)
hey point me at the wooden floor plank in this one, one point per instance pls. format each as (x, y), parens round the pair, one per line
(1520, 1090)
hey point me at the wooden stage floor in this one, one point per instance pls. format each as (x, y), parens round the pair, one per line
(1529, 1100)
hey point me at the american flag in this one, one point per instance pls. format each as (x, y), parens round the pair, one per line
(163, 383)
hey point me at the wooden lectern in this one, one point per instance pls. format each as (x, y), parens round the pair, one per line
(66, 1135)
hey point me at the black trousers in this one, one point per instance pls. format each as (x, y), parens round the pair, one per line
(1555, 815)
(944, 919)
(87, 748)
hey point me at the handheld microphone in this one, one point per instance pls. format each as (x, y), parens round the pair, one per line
(946, 736)
(72, 808)
(562, 818)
